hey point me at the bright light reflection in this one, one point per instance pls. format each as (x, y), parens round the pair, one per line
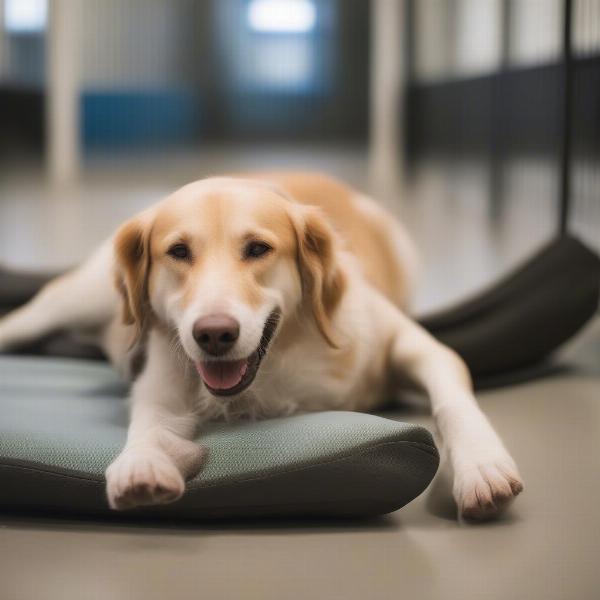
(25, 16)
(282, 16)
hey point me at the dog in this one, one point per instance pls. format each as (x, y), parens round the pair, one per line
(259, 296)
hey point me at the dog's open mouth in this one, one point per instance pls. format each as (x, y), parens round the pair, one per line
(230, 377)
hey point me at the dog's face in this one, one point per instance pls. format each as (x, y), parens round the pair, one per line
(223, 263)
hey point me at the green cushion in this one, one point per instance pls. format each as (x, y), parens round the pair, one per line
(63, 421)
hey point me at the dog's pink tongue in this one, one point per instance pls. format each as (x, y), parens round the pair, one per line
(222, 374)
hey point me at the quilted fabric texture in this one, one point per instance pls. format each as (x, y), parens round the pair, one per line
(63, 421)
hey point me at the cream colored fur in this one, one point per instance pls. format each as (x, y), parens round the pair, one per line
(347, 346)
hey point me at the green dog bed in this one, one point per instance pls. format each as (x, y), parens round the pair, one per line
(63, 421)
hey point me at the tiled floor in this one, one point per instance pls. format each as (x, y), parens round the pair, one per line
(548, 546)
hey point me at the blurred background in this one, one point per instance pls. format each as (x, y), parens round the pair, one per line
(476, 121)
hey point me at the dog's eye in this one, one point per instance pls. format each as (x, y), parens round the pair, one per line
(179, 251)
(256, 249)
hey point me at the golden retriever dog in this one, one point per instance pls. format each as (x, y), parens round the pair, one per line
(255, 297)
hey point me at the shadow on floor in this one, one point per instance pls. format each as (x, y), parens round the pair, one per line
(124, 525)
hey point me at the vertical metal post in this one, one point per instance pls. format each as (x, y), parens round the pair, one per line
(498, 114)
(567, 123)
(4, 58)
(404, 135)
(385, 160)
(62, 93)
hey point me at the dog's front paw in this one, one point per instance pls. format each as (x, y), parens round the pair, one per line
(483, 490)
(142, 478)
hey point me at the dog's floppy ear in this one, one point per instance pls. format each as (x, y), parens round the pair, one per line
(132, 255)
(323, 282)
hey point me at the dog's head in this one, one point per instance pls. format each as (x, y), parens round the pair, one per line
(223, 263)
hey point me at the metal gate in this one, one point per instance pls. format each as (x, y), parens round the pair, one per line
(511, 81)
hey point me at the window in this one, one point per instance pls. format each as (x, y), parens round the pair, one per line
(25, 16)
(282, 16)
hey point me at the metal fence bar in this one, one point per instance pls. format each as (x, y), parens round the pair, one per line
(567, 123)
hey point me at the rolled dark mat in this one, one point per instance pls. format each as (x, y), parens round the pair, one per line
(526, 316)
(501, 333)
(17, 287)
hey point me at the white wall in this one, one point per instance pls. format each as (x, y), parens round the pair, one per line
(586, 26)
(387, 74)
(125, 43)
(132, 43)
(433, 39)
(456, 38)
(477, 34)
(535, 31)
(462, 38)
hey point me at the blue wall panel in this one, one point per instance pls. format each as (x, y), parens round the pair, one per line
(139, 118)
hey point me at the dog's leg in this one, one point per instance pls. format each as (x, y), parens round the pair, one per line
(82, 299)
(486, 478)
(158, 456)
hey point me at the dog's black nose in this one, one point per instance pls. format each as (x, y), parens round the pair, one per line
(216, 334)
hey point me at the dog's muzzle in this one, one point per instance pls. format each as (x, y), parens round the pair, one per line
(230, 377)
